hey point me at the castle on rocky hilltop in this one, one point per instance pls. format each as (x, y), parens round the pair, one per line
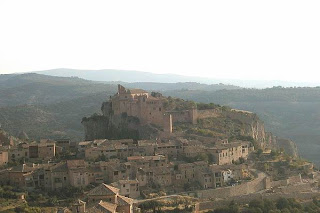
(148, 108)
(137, 114)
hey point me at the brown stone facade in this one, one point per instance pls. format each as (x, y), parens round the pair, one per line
(150, 109)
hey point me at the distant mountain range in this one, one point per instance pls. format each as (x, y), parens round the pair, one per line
(109, 75)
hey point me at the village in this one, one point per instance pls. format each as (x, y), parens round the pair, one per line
(117, 175)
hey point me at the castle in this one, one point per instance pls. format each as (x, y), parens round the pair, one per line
(137, 114)
(148, 108)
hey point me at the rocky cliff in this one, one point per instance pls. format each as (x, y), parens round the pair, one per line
(116, 127)
(254, 127)
(251, 125)
(274, 142)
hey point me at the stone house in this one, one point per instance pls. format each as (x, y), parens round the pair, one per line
(112, 201)
(56, 176)
(47, 150)
(19, 152)
(117, 171)
(4, 157)
(120, 149)
(78, 173)
(148, 161)
(193, 151)
(72, 172)
(128, 188)
(170, 149)
(18, 176)
(161, 176)
(64, 144)
(205, 178)
(187, 172)
(145, 148)
(228, 153)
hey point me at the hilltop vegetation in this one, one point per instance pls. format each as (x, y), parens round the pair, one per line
(45, 106)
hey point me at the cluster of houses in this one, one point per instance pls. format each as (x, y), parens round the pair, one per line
(128, 165)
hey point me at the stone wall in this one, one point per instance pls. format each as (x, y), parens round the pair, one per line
(208, 113)
(232, 191)
(183, 116)
(295, 179)
(192, 115)
(279, 183)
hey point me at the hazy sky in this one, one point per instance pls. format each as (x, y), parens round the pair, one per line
(273, 39)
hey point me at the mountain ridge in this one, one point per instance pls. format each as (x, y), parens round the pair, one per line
(140, 76)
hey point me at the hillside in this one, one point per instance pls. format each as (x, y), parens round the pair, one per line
(60, 103)
(35, 89)
(287, 112)
(45, 106)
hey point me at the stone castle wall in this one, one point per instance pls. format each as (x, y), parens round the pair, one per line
(192, 115)
(208, 113)
(184, 116)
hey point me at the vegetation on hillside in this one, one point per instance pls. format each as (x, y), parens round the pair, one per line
(281, 205)
(60, 103)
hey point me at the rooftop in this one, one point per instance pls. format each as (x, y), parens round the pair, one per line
(103, 189)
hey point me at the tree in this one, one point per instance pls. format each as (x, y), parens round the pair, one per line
(268, 206)
(282, 203)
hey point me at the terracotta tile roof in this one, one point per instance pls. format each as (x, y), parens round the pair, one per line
(124, 201)
(60, 167)
(103, 189)
(109, 207)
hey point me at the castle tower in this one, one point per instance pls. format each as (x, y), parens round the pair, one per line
(194, 115)
(167, 125)
(121, 89)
